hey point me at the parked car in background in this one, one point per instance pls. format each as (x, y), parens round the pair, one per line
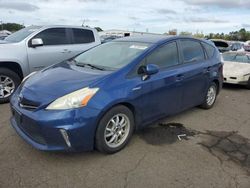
(36, 47)
(236, 46)
(222, 45)
(2, 37)
(4, 34)
(247, 46)
(237, 68)
(105, 39)
(97, 99)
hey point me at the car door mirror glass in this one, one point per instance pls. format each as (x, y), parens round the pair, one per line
(36, 42)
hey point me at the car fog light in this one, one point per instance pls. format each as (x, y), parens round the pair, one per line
(65, 137)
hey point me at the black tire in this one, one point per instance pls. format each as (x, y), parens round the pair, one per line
(205, 104)
(248, 84)
(100, 142)
(14, 77)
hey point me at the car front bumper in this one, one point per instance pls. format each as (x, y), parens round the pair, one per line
(65, 130)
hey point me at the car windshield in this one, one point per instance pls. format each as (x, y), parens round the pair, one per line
(237, 58)
(112, 55)
(21, 34)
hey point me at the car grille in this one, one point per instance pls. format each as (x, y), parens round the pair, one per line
(28, 127)
(28, 104)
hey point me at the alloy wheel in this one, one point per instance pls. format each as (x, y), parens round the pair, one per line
(211, 95)
(7, 86)
(117, 130)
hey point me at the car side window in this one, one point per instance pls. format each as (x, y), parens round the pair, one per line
(82, 36)
(209, 50)
(165, 56)
(192, 51)
(53, 36)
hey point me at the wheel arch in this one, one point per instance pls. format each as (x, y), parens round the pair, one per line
(13, 66)
(130, 106)
(216, 81)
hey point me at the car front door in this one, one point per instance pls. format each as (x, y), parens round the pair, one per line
(195, 73)
(161, 93)
(54, 48)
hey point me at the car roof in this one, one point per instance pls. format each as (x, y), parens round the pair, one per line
(59, 26)
(144, 38)
(153, 39)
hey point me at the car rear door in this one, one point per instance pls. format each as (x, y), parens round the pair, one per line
(195, 72)
(82, 40)
(161, 93)
(55, 48)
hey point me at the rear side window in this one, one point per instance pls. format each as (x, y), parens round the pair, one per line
(165, 56)
(192, 51)
(54, 36)
(82, 36)
(209, 50)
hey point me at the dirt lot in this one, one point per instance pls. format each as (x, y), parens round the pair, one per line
(216, 153)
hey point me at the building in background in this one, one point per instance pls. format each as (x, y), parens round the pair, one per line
(123, 33)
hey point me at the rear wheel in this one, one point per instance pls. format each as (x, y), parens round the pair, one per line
(9, 81)
(114, 130)
(210, 96)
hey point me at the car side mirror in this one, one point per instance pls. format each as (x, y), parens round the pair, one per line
(36, 42)
(148, 70)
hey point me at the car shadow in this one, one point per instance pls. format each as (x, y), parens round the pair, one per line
(233, 87)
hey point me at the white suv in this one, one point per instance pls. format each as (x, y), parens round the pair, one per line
(36, 47)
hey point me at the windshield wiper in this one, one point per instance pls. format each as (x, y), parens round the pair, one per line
(89, 65)
(94, 66)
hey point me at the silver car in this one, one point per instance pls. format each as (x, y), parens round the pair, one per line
(36, 47)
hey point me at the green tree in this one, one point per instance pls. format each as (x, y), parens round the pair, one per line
(185, 33)
(11, 26)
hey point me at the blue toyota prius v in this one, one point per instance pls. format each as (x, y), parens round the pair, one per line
(100, 97)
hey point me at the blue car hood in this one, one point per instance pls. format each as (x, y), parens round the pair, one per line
(59, 80)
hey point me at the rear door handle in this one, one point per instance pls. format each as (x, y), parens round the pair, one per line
(179, 77)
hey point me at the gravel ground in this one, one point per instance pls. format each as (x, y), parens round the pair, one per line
(214, 153)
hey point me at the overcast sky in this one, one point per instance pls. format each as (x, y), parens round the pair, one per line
(157, 16)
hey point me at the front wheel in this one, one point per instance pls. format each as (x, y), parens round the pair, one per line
(9, 81)
(114, 130)
(210, 96)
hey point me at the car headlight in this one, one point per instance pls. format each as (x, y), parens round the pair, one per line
(27, 77)
(75, 99)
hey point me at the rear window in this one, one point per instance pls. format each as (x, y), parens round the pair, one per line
(82, 36)
(192, 51)
(209, 50)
